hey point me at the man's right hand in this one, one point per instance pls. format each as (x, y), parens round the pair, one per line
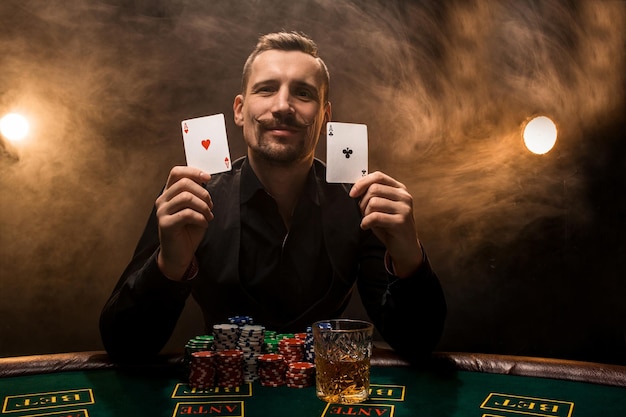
(183, 211)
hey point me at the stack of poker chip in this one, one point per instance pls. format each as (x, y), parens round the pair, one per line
(300, 375)
(196, 344)
(292, 349)
(202, 370)
(309, 351)
(240, 351)
(229, 368)
(250, 342)
(225, 336)
(272, 369)
(201, 342)
(240, 320)
(270, 342)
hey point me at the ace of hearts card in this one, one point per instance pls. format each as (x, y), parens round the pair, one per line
(206, 143)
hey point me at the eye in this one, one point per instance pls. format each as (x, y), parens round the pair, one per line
(264, 89)
(305, 94)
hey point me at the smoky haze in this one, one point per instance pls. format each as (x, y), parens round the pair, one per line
(444, 87)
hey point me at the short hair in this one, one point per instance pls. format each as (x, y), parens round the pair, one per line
(286, 41)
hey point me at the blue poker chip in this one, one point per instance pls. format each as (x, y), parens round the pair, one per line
(241, 320)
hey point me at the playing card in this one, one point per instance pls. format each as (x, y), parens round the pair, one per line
(346, 152)
(206, 144)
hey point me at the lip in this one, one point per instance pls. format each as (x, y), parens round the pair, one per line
(283, 130)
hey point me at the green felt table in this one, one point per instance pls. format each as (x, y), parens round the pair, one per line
(455, 385)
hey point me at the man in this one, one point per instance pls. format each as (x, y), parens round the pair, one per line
(271, 239)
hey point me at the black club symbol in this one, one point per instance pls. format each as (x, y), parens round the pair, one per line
(347, 152)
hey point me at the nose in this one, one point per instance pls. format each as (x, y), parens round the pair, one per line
(283, 102)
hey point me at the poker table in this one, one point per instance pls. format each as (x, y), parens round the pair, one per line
(451, 384)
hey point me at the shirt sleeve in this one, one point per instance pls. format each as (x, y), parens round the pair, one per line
(410, 312)
(141, 313)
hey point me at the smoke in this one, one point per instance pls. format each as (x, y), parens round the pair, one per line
(443, 87)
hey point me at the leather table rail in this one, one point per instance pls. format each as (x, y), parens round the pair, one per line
(72, 361)
(605, 374)
(597, 373)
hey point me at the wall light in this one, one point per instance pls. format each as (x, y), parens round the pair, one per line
(539, 135)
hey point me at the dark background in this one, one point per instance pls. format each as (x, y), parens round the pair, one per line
(530, 249)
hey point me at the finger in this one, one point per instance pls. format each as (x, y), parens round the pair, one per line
(186, 204)
(179, 172)
(381, 221)
(185, 217)
(384, 198)
(363, 184)
(385, 215)
(187, 185)
(384, 207)
(389, 204)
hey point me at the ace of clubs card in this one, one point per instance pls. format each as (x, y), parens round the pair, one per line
(206, 144)
(346, 152)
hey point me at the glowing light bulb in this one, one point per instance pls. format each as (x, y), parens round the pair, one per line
(540, 135)
(14, 127)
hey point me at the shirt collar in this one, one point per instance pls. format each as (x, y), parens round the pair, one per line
(250, 184)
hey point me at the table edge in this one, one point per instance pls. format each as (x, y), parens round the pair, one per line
(590, 372)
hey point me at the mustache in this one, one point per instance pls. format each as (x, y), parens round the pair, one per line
(288, 121)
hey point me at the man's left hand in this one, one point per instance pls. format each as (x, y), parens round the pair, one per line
(387, 209)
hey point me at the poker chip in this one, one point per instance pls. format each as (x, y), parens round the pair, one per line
(309, 349)
(225, 336)
(197, 344)
(324, 325)
(229, 368)
(300, 375)
(270, 345)
(241, 351)
(250, 342)
(272, 368)
(202, 370)
(241, 320)
(292, 349)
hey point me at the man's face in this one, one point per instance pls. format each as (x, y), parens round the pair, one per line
(282, 110)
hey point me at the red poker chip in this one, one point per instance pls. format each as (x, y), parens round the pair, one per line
(272, 384)
(230, 353)
(270, 357)
(291, 378)
(291, 342)
(298, 385)
(296, 377)
(299, 375)
(271, 373)
(203, 354)
(304, 367)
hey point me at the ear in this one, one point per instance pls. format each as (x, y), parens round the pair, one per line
(238, 110)
(327, 113)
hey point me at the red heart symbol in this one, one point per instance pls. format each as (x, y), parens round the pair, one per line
(206, 143)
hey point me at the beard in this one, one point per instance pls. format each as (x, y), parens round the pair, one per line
(280, 153)
(284, 151)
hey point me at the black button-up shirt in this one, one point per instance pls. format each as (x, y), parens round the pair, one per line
(274, 259)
